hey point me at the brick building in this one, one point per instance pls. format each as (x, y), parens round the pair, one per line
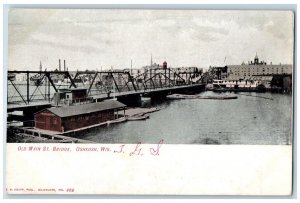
(256, 70)
(73, 117)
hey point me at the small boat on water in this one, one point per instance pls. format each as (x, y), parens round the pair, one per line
(138, 118)
(119, 120)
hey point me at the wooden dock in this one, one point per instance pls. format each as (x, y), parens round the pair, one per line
(70, 132)
(63, 137)
(134, 112)
(39, 135)
(50, 135)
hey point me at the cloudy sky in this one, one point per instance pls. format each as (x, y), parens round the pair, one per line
(89, 39)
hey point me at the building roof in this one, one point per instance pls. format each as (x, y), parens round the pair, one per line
(86, 108)
(262, 66)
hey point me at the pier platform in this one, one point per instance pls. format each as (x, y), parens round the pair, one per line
(39, 133)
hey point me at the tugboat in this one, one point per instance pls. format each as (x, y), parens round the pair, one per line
(216, 85)
(219, 84)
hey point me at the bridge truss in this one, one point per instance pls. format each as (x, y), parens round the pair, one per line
(32, 86)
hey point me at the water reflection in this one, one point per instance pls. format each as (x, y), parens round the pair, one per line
(246, 120)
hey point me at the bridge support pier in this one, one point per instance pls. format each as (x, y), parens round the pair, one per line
(190, 90)
(158, 97)
(132, 100)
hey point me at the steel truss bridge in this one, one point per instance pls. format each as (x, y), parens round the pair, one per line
(26, 87)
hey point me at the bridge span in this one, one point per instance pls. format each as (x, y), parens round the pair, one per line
(40, 86)
(32, 91)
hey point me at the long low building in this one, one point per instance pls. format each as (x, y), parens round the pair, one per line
(252, 70)
(63, 119)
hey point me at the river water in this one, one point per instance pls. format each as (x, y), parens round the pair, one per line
(246, 120)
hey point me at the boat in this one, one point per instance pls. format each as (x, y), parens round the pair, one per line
(235, 86)
(138, 118)
(219, 84)
(119, 120)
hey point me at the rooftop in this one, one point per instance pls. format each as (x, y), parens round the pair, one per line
(86, 108)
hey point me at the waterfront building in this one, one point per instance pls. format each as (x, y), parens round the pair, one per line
(63, 119)
(253, 73)
(71, 96)
(256, 70)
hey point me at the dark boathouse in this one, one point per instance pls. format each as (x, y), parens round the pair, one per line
(73, 117)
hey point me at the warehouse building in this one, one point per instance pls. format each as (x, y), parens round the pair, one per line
(67, 118)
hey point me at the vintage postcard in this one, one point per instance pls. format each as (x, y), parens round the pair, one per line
(139, 101)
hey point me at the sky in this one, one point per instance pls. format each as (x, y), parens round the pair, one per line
(91, 39)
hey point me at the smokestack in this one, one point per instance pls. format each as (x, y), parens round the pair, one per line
(64, 65)
(40, 65)
(131, 67)
(59, 66)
